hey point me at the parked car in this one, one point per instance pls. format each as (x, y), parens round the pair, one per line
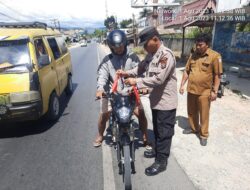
(35, 69)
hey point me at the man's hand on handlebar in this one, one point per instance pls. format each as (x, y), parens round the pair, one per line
(130, 81)
(121, 73)
(144, 91)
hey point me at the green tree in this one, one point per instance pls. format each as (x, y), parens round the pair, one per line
(125, 23)
(194, 32)
(110, 22)
(243, 27)
(247, 28)
(98, 33)
(145, 12)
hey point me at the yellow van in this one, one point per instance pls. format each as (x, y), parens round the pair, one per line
(35, 69)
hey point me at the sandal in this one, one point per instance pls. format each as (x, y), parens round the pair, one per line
(147, 145)
(97, 142)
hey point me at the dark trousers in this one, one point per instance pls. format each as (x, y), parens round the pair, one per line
(163, 124)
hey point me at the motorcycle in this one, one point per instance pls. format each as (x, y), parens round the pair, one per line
(121, 124)
(223, 84)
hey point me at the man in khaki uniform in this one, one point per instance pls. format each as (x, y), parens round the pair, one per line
(203, 71)
(161, 82)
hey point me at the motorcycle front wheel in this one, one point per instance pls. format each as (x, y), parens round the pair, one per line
(127, 167)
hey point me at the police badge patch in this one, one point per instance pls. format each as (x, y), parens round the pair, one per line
(163, 61)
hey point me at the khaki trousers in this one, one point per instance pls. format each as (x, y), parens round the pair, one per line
(198, 108)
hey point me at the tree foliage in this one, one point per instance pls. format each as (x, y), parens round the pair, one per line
(243, 27)
(125, 23)
(194, 32)
(145, 12)
(98, 33)
(110, 22)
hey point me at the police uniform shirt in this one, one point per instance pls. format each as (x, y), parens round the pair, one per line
(201, 70)
(160, 78)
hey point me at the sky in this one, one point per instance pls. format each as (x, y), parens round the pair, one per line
(85, 13)
(78, 13)
(231, 4)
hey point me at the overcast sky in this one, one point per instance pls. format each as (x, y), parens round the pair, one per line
(90, 12)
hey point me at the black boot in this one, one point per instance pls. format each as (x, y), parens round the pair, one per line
(155, 168)
(203, 142)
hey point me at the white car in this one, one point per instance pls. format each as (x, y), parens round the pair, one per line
(83, 43)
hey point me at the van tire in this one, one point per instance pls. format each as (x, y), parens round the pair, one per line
(53, 113)
(69, 88)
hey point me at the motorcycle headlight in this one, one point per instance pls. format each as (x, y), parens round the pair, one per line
(123, 114)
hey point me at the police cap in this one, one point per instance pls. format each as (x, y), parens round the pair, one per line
(146, 34)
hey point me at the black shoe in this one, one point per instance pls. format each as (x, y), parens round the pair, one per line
(155, 168)
(203, 142)
(149, 154)
(188, 131)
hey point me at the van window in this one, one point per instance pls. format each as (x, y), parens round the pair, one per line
(40, 47)
(54, 47)
(62, 44)
(40, 50)
(14, 56)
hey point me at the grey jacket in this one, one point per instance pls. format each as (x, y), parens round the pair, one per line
(160, 78)
(110, 64)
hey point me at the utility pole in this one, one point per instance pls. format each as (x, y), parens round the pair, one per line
(134, 31)
(106, 8)
(59, 26)
(53, 21)
(56, 23)
(155, 14)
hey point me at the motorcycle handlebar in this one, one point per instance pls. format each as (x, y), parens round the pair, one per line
(98, 98)
(141, 91)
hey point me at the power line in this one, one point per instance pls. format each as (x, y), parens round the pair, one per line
(12, 9)
(9, 16)
(17, 12)
(56, 23)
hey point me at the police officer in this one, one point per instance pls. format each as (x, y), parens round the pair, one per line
(161, 81)
(203, 70)
(119, 58)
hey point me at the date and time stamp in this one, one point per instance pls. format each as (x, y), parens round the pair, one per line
(200, 15)
(207, 18)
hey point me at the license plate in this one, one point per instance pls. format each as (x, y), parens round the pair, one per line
(3, 100)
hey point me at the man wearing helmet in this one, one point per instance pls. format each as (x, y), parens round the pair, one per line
(120, 58)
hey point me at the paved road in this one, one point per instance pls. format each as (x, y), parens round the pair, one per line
(59, 156)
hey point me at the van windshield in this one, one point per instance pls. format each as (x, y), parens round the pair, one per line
(14, 57)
